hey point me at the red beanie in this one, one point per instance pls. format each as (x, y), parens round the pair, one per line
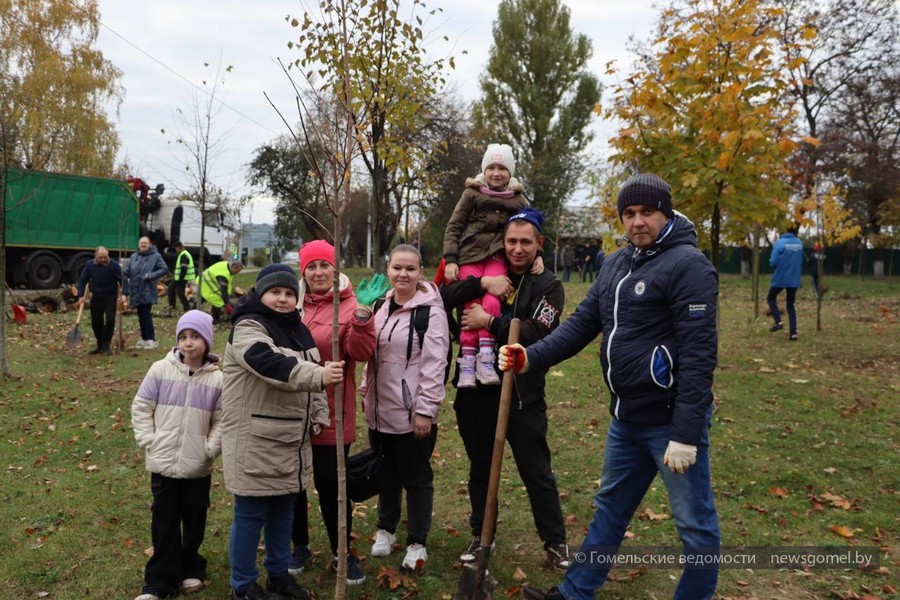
(315, 250)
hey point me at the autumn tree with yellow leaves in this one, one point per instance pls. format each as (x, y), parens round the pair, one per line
(706, 111)
(55, 88)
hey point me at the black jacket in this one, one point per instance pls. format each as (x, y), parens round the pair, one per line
(656, 309)
(538, 303)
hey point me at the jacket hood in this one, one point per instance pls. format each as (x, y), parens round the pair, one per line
(476, 182)
(344, 286)
(427, 294)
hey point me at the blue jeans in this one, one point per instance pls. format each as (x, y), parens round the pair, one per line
(633, 456)
(253, 514)
(791, 311)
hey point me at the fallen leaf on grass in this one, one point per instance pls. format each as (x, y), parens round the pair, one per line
(571, 520)
(778, 492)
(391, 579)
(837, 501)
(648, 515)
(519, 575)
(801, 381)
(888, 589)
(514, 591)
(830, 470)
(841, 530)
(760, 509)
(628, 576)
(148, 551)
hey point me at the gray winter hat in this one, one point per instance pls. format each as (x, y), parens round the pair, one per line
(277, 275)
(648, 190)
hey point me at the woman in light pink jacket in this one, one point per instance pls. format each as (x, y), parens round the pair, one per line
(402, 391)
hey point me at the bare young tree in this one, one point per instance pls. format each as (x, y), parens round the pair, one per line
(201, 140)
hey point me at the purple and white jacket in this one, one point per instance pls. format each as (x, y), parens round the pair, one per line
(177, 417)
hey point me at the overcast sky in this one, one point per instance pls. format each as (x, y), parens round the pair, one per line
(161, 48)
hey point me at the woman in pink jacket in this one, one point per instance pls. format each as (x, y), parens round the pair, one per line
(356, 343)
(402, 390)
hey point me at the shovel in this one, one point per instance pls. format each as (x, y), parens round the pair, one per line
(475, 583)
(18, 310)
(74, 336)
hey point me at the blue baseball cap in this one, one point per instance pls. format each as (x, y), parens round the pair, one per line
(532, 215)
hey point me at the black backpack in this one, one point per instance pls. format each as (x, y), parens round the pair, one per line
(418, 318)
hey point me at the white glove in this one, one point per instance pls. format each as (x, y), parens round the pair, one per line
(680, 456)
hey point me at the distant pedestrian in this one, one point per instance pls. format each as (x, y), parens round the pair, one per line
(568, 261)
(142, 273)
(216, 285)
(787, 260)
(177, 420)
(184, 272)
(813, 265)
(587, 264)
(598, 259)
(104, 276)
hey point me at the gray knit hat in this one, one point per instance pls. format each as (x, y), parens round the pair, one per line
(277, 275)
(648, 190)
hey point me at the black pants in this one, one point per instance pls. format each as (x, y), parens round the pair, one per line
(325, 476)
(177, 529)
(103, 319)
(177, 289)
(407, 465)
(476, 416)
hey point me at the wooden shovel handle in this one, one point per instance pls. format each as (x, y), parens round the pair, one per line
(490, 509)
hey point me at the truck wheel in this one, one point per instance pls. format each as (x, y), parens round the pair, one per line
(76, 266)
(44, 272)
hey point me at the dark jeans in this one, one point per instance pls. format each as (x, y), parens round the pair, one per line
(791, 311)
(476, 417)
(325, 476)
(177, 289)
(103, 319)
(407, 465)
(177, 528)
(145, 321)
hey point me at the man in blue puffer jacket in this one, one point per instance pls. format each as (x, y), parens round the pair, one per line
(787, 260)
(655, 304)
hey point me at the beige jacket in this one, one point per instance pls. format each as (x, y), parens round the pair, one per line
(271, 396)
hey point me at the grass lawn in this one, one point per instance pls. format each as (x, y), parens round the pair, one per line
(805, 453)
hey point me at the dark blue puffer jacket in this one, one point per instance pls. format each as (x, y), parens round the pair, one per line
(656, 309)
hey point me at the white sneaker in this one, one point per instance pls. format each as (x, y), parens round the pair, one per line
(415, 559)
(191, 585)
(150, 344)
(484, 369)
(466, 372)
(141, 344)
(147, 597)
(384, 543)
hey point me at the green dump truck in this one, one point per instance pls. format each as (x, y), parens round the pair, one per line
(54, 222)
